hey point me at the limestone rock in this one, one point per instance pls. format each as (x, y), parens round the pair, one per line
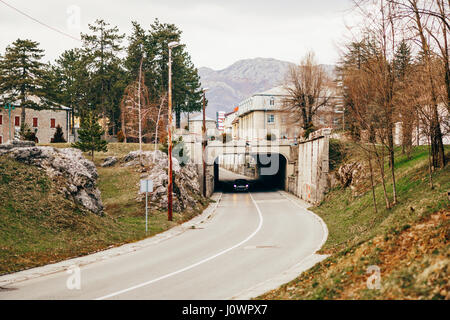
(74, 175)
(109, 162)
(186, 187)
(354, 176)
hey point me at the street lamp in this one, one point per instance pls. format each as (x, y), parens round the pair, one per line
(204, 141)
(171, 45)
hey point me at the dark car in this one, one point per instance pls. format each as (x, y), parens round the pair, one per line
(241, 185)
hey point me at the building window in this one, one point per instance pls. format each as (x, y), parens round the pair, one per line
(52, 123)
(35, 122)
(17, 121)
(1, 139)
(1, 119)
(272, 101)
(270, 118)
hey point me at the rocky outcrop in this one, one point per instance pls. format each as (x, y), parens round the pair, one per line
(73, 174)
(354, 176)
(109, 162)
(186, 187)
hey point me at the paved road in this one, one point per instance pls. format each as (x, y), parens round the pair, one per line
(251, 238)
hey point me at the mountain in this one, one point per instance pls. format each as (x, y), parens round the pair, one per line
(228, 87)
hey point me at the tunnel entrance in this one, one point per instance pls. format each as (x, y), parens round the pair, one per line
(271, 170)
(265, 172)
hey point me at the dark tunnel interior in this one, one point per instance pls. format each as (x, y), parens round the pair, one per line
(264, 172)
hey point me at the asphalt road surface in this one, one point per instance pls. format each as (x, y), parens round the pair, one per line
(252, 237)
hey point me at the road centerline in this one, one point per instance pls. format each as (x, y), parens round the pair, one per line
(261, 221)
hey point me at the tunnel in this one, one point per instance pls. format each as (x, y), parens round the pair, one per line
(263, 171)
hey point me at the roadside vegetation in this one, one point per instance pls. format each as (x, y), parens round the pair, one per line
(409, 242)
(40, 226)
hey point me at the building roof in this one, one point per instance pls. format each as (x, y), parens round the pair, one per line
(38, 101)
(200, 118)
(276, 91)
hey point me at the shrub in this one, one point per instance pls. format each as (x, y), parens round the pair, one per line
(26, 133)
(120, 136)
(58, 137)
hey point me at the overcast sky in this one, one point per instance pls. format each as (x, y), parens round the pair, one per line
(217, 32)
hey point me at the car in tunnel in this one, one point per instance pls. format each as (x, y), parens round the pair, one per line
(241, 185)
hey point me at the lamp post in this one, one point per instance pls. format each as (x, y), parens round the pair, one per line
(171, 45)
(204, 142)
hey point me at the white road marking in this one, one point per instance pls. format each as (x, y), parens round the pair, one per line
(317, 217)
(261, 220)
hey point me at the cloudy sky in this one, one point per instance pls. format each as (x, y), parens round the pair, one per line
(217, 32)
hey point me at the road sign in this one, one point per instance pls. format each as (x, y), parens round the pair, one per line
(146, 186)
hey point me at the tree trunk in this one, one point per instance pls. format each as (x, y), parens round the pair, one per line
(437, 146)
(380, 161)
(392, 162)
(178, 118)
(372, 183)
(430, 165)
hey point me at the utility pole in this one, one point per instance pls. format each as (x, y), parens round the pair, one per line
(169, 137)
(140, 116)
(9, 107)
(204, 142)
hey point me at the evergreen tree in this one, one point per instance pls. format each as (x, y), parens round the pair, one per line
(102, 48)
(58, 137)
(90, 135)
(21, 74)
(153, 45)
(68, 81)
(402, 60)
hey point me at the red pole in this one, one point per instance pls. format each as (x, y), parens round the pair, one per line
(169, 142)
(204, 145)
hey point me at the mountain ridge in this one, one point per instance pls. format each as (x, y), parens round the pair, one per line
(229, 86)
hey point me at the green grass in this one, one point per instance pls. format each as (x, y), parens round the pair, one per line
(353, 219)
(40, 226)
(406, 241)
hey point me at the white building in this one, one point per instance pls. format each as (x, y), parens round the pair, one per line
(196, 126)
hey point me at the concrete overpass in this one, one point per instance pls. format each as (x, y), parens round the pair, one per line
(297, 167)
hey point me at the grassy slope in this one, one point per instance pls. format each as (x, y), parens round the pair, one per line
(409, 242)
(39, 226)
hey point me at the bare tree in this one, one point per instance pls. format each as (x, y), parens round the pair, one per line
(308, 87)
(427, 23)
(361, 102)
(143, 119)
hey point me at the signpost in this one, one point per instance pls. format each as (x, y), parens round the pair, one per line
(9, 107)
(146, 187)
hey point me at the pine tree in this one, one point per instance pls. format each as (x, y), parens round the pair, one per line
(21, 72)
(102, 48)
(402, 60)
(68, 81)
(90, 135)
(187, 94)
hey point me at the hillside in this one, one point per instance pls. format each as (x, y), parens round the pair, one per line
(409, 243)
(237, 82)
(40, 225)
